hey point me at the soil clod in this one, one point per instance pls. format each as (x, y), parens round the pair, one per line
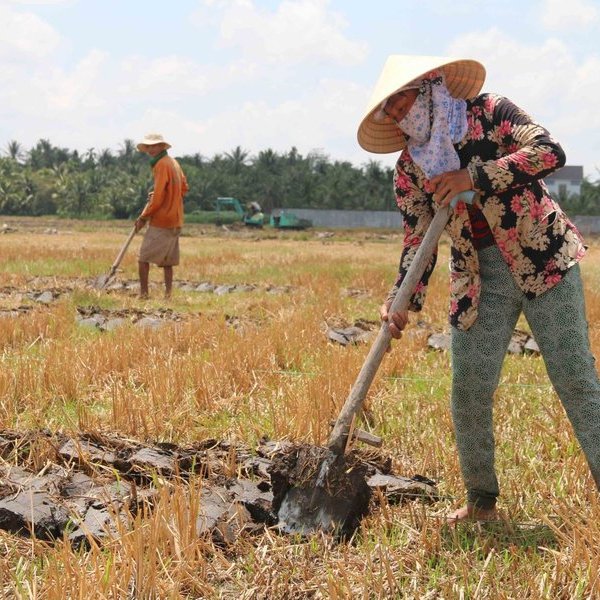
(89, 486)
(314, 489)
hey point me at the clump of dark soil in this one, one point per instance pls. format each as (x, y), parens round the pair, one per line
(80, 487)
(313, 489)
(340, 331)
(108, 319)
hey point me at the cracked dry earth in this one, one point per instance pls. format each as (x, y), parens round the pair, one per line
(91, 485)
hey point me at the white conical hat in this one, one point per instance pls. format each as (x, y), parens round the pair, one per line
(464, 78)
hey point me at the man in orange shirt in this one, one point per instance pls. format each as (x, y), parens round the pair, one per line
(163, 213)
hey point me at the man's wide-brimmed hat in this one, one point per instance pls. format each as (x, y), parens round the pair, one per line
(464, 79)
(151, 139)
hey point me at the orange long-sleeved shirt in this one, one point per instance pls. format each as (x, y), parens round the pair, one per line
(170, 186)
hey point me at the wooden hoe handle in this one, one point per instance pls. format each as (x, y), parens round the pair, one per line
(123, 250)
(339, 435)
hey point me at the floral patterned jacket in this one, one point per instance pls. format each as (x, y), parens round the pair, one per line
(507, 155)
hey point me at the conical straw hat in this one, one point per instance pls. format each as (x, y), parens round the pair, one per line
(464, 78)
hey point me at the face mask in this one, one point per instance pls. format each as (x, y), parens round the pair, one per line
(416, 124)
(435, 122)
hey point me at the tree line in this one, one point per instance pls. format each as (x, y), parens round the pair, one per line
(102, 184)
(49, 180)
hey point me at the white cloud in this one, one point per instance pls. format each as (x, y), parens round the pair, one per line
(171, 77)
(296, 31)
(528, 74)
(186, 135)
(561, 15)
(53, 92)
(31, 83)
(24, 35)
(321, 118)
(252, 99)
(255, 100)
(168, 76)
(548, 81)
(78, 90)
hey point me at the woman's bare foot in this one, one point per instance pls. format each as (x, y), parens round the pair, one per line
(472, 513)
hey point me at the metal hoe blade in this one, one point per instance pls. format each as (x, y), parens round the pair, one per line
(102, 281)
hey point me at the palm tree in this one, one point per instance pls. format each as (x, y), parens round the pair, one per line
(267, 160)
(197, 160)
(293, 156)
(14, 150)
(42, 155)
(130, 158)
(266, 180)
(237, 159)
(127, 150)
(105, 158)
(378, 186)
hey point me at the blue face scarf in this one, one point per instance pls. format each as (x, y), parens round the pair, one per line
(434, 123)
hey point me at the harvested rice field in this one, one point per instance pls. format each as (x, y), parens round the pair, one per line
(138, 437)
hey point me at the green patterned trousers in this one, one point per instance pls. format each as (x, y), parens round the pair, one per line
(559, 326)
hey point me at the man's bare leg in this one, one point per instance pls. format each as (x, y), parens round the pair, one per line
(143, 270)
(168, 281)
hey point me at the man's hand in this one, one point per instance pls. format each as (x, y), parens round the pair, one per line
(397, 321)
(139, 224)
(448, 185)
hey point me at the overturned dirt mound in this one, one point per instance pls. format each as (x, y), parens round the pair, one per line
(338, 330)
(36, 293)
(88, 484)
(108, 319)
(46, 290)
(312, 491)
(315, 489)
(521, 343)
(105, 319)
(88, 487)
(18, 311)
(204, 287)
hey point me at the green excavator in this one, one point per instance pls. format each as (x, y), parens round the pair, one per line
(253, 216)
(282, 219)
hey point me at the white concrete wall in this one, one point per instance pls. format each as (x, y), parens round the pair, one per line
(350, 219)
(382, 219)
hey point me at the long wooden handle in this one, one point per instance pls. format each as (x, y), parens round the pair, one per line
(339, 435)
(121, 254)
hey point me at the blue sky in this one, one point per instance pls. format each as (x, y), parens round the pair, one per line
(214, 74)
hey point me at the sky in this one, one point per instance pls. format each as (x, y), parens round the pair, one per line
(211, 75)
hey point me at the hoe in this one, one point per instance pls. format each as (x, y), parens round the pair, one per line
(334, 494)
(102, 281)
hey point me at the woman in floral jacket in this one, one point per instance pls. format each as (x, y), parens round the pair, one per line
(513, 249)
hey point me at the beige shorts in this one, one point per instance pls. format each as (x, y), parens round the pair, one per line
(160, 246)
